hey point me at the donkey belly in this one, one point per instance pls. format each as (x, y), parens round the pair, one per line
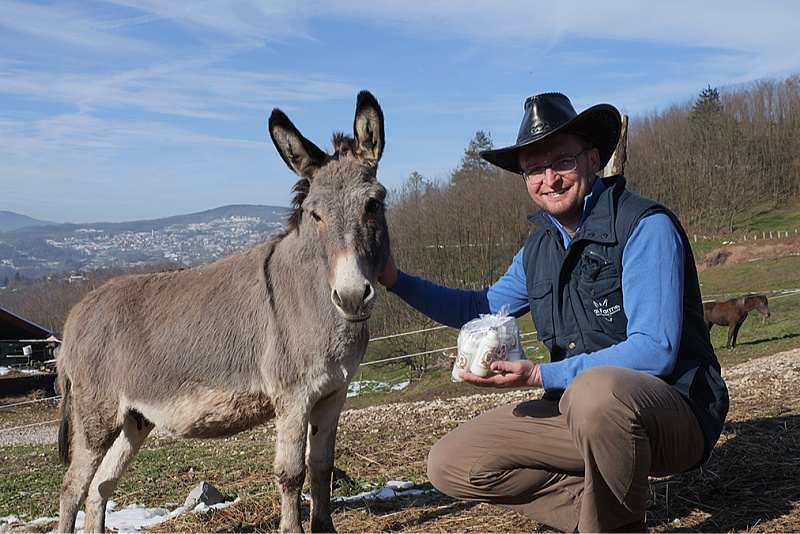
(207, 413)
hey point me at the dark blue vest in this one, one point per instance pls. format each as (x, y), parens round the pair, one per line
(575, 297)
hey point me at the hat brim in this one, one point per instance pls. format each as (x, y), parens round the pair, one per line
(601, 124)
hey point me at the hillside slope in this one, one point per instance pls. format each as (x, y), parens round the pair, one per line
(749, 251)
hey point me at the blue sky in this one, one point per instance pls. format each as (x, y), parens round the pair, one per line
(135, 109)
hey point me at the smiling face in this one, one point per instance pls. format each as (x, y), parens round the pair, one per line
(561, 193)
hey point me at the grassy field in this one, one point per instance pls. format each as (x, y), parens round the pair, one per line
(168, 468)
(757, 337)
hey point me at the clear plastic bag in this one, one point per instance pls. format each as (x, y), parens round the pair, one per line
(490, 337)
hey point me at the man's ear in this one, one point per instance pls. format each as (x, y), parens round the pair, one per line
(594, 160)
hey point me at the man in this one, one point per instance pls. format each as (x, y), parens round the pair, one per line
(633, 388)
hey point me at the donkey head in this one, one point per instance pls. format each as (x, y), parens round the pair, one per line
(339, 204)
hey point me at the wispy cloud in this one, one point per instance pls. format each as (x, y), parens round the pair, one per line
(64, 24)
(235, 19)
(193, 88)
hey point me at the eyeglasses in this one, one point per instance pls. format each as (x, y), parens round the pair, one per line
(569, 163)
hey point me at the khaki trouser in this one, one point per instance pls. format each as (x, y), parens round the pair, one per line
(580, 463)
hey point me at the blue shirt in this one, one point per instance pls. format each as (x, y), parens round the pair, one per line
(652, 287)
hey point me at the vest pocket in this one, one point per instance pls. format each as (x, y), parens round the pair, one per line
(542, 312)
(603, 299)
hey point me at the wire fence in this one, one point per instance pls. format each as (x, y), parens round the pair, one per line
(777, 294)
(773, 294)
(753, 235)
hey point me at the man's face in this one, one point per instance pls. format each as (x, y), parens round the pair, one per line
(561, 193)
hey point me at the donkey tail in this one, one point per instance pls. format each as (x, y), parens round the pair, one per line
(65, 429)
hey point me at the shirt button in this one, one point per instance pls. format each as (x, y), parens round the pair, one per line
(604, 236)
(572, 345)
(591, 292)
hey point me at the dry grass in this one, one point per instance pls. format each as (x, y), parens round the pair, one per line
(751, 483)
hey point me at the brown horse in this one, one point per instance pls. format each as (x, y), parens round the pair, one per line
(276, 331)
(733, 312)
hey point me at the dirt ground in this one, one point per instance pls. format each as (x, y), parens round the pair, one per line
(750, 484)
(752, 249)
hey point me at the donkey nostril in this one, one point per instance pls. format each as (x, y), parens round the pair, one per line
(369, 291)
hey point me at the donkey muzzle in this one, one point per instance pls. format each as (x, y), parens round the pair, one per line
(352, 293)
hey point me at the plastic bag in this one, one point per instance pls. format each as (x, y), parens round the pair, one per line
(488, 338)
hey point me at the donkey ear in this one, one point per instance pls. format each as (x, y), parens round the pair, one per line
(300, 154)
(368, 129)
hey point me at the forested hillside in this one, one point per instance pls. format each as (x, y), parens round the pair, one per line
(721, 159)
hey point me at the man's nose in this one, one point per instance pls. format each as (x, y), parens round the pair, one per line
(550, 176)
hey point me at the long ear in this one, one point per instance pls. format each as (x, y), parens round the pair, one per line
(300, 154)
(368, 129)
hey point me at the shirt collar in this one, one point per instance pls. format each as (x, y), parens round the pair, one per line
(589, 201)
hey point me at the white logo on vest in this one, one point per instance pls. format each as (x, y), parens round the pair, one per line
(602, 309)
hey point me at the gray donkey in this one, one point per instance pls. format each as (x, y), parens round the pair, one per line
(275, 331)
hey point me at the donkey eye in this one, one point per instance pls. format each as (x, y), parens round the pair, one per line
(315, 216)
(372, 206)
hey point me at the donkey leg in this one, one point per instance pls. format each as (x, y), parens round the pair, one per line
(115, 462)
(83, 465)
(323, 424)
(291, 427)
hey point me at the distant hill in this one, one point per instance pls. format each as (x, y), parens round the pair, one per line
(11, 221)
(192, 239)
(45, 230)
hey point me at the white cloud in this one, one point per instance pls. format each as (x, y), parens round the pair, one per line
(66, 24)
(237, 19)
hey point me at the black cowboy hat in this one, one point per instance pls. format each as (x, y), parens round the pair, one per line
(548, 113)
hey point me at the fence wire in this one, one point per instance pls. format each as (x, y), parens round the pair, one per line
(773, 295)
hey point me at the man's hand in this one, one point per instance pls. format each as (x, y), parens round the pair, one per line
(521, 373)
(390, 274)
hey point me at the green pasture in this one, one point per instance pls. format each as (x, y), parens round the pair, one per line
(772, 277)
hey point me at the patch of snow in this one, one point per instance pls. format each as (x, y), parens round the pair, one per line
(392, 489)
(132, 519)
(129, 520)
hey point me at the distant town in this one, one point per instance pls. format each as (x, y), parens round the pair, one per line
(184, 244)
(85, 248)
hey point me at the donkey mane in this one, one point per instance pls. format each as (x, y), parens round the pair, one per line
(300, 191)
(343, 146)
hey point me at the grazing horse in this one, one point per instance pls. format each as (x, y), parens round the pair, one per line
(733, 312)
(275, 331)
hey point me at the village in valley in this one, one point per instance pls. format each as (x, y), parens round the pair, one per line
(91, 247)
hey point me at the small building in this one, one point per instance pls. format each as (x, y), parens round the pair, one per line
(28, 347)
(24, 343)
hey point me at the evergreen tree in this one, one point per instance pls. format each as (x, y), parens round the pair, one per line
(473, 167)
(708, 108)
